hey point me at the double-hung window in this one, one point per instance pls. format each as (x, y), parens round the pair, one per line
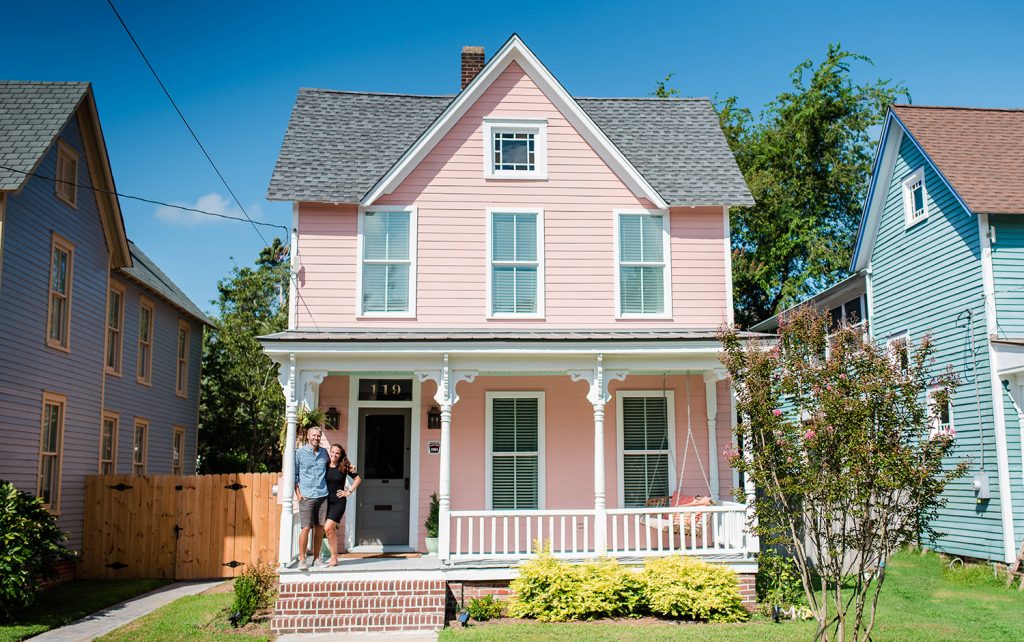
(62, 255)
(646, 439)
(515, 148)
(515, 438)
(178, 451)
(144, 361)
(388, 262)
(898, 347)
(643, 270)
(108, 444)
(51, 440)
(915, 197)
(140, 443)
(516, 281)
(181, 375)
(940, 419)
(115, 328)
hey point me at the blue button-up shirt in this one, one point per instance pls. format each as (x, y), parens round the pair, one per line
(311, 471)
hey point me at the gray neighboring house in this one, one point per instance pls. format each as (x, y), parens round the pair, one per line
(100, 351)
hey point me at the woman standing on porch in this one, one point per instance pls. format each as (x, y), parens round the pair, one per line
(338, 470)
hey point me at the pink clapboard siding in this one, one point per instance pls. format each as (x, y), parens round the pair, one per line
(452, 197)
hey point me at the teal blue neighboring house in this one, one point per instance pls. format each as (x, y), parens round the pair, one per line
(99, 351)
(940, 251)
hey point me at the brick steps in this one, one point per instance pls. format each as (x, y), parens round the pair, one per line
(360, 606)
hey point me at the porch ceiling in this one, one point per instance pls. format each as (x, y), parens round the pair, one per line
(380, 335)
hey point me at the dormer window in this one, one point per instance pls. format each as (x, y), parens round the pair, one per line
(515, 148)
(915, 198)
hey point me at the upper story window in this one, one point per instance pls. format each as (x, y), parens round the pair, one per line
(58, 333)
(940, 419)
(115, 328)
(915, 197)
(144, 363)
(852, 312)
(516, 275)
(388, 265)
(66, 185)
(515, 148)
(181, 375)
(643, 275)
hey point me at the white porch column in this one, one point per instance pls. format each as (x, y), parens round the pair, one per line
(447, 380)
(598, 396)
(711, 379)
(286, 489)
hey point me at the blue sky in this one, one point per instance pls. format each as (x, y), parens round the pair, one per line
(234, 68)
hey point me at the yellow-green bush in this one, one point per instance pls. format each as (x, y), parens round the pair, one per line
(679, 586)
(550, 590)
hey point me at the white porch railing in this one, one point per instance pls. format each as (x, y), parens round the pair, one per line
(712, 531)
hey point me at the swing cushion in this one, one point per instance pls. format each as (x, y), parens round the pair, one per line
(675, 500)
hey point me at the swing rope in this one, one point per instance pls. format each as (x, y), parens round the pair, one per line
(686, 445)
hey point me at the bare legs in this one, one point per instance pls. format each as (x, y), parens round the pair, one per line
(331, 527)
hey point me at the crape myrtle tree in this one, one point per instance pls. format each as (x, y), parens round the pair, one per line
(845, 452)
(242, 407)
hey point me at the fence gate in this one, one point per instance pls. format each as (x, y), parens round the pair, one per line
(178, 527)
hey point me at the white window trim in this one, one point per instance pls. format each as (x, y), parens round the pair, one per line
(908, 199)
(413, 242)
(539, 212)
(666, 314)
(489, 397)
(536, 126)
(620, 445)
(902, 335)
(933, 431)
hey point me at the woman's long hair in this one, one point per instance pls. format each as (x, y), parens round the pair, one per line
(344, 465)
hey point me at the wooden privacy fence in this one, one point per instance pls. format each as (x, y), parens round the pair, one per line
(178, 527)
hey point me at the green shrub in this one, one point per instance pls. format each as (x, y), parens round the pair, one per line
(432, 516)
(484, 608)
(254, 591)
(778, 581)
(679, 586)
(30, 543)
(608, 589)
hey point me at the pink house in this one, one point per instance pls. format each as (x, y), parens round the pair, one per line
(509, 297)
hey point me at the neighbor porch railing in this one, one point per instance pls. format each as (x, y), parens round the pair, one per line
(712, 531)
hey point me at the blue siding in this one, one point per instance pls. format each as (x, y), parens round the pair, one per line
(925, 279)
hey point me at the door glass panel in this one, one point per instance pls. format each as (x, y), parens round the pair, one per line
(384, 456)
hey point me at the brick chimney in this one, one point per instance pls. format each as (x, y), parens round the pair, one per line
(472, 63)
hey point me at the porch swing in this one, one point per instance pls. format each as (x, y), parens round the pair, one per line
(694, 527)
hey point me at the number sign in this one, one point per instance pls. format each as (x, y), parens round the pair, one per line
(385, 390)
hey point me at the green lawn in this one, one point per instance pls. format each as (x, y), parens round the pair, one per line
(922, 601)
(70, 601)
(196, 617)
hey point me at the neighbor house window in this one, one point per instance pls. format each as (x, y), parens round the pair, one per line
(144, 361)
(115, 328)
(643, 267)
(388, 262)
(852, 312)
(178, 451)
(516, 278)
(646, 433)
(915, 198)
(181, 376)
(940, 418)
(62, 256)
(139, 445)
(108, 444)
(898, 347)
(67, 174)
(515, 148)
(515, 427)
(51, 439)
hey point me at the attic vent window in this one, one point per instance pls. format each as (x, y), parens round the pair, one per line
(515, 148)
(915, 198)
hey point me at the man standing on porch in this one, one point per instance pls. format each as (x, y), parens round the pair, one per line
(311, 489)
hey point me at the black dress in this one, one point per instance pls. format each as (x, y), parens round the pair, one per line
(335, 482)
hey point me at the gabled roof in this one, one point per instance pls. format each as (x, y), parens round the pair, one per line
(32, 115)
(145, 272)
(352, 147)
(979, 151)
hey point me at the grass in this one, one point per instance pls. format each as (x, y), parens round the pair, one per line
(71, 601)
(923, 600)
(196, 617)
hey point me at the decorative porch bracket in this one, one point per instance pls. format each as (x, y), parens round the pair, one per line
(711, 379)
(598, 396)
(447, 381)
(311, 380)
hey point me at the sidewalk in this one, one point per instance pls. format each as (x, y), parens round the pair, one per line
(105, 621)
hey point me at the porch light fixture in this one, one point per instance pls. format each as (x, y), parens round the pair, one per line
(434, 418)
(332, 416)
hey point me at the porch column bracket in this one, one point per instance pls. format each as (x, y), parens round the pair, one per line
(311, 380)
(447, 381)
(598, 396)
(711, 379)
(286, 488)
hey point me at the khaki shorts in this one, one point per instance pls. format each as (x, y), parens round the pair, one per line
(312, 511)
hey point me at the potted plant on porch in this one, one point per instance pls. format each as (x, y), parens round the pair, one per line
(431, 524)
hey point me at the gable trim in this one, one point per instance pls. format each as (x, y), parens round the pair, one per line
(514, 50)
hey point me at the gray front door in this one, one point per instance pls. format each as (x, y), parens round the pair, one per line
(382, 501)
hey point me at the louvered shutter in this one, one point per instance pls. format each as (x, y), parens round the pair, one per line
(645, 449)
(515, 454)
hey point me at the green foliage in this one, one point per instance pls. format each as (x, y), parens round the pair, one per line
(680, 586)
(242, 408)
(484, 608)
(30, 543)
(778, 580)
(254, 591)
(662, 90)
(432, 516)
(806, 158)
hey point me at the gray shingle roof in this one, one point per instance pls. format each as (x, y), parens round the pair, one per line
(146, 272)
(31, 115)
(339, 144)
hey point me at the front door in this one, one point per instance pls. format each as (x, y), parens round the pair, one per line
(382, 501)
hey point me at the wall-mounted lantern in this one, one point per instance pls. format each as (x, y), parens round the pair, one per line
(332, 418)
(434, 418)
